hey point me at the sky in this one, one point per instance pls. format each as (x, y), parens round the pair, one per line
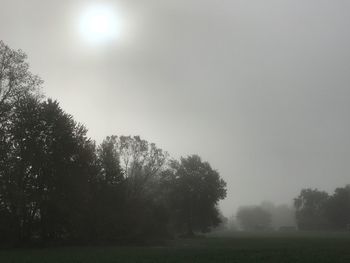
(259, 89)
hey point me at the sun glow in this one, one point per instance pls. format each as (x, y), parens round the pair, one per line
(99, 23)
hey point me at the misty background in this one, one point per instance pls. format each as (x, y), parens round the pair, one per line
(257, 88)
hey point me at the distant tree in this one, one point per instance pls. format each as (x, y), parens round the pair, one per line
(253, 218)
(281, 215)
(16, 80)
(195, 189)
(338, 208)
(232, 223)
(310, 208)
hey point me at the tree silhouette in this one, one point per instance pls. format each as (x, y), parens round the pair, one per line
(338, 208)
(108, 157)
(16, 80)
(57, 186)
(195, 189)
(45, 183)
(310, 209)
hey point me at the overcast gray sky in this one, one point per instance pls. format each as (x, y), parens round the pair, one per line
(260, 89)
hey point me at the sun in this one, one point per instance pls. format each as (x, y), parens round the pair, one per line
(99, 23)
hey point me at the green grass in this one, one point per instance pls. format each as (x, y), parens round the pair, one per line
(236, 247)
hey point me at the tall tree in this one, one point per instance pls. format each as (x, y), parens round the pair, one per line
(107, 205)
(45, 181)
(142, 164)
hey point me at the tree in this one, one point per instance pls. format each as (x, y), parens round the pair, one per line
(310, 208)
(195, 189)
(136, 204)
(281, 215)
(137, 154)
(16, 80)
(44, 185)
(253, 218)
(63, 170)
(143, 163)
(108, 157)
(107, 206)
(338, 208)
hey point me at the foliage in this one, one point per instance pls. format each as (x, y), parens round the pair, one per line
(195, 189)
(338, 208)
(310, 209)
(45, 171)
(317, 210)
(57, 186)
(16, 81)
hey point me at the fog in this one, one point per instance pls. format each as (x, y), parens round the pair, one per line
(257, 88)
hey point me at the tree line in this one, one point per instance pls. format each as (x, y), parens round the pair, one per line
(264, 217)
(318, 210)
(58, 185)
(313, 210)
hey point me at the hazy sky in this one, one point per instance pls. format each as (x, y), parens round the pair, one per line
(260, 89)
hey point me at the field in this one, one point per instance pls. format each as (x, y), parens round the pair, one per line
(233, 247)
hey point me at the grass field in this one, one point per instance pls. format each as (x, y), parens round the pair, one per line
(233, 247)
